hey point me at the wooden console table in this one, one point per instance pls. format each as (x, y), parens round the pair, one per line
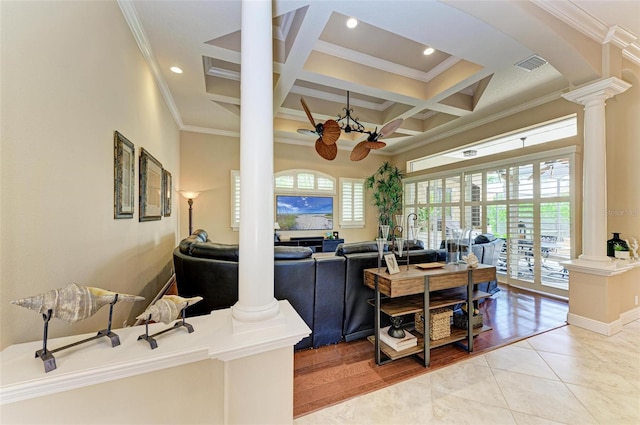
(415, 290)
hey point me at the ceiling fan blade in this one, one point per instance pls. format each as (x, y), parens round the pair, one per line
(330, 132)
(374, 145)
(307, 132)
(306, 110)
(328, 152)
(360, 151)
(390, 128)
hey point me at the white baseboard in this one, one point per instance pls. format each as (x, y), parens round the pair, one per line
(607, 329)
(630, 316)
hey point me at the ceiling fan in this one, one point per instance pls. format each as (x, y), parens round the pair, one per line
(329, 132)
(362, 149)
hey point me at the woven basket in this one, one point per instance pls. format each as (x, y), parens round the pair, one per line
(460, 320)
(439, 323)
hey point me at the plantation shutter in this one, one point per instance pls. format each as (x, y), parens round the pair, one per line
(352, 203)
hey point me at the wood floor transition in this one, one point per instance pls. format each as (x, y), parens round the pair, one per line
(331, 374)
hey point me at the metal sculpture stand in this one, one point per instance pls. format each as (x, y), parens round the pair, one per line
(150, 338)
(47, 355)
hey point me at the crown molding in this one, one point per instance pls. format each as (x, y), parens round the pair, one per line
(206, 130)
(131, 16)
(593, 28)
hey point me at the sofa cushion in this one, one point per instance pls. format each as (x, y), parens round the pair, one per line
(484, 238)
(214, 251)
(292, 252)
(413, 246)
(357, 247)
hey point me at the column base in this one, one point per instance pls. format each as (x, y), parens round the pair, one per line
(595, 258)
(251, 314)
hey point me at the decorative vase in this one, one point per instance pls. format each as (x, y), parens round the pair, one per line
(611, 244)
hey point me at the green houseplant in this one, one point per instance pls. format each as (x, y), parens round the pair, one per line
(386, 184)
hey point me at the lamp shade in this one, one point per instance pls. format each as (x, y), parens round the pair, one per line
(276, 226)
(189, 195)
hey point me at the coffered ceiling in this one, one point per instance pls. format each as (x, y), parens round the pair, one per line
(471, 77)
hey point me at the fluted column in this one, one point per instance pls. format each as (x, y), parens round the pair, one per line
(594, 184)
(255, 278)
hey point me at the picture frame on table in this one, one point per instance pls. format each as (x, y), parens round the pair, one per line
(150, 187)
(167, 190)
(392, 264)
(124, 156)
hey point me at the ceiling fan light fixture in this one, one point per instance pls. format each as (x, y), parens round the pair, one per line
(428, 51)
(352, 23)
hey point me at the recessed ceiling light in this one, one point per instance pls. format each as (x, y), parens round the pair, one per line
(428, 51)
(352, 22)
(176, 70)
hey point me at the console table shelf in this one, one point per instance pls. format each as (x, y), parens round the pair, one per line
(456, 336)
(414, 303)
(412, 289)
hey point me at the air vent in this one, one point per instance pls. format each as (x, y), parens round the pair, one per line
(531, 63)
(470, 153)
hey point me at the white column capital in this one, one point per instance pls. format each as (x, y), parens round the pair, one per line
(600, 90)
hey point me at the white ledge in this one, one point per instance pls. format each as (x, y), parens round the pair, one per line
(23, 376)
(612, 268)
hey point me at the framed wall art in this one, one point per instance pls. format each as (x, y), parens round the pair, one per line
(150, 187)
(124, 155)
(167, 190)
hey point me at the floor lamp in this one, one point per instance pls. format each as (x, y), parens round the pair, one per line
(190, 197)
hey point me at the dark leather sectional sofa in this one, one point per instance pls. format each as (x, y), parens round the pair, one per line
(487, 248)
(327, 291)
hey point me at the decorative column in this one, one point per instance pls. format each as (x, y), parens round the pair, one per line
(594, 185)
(256, 301)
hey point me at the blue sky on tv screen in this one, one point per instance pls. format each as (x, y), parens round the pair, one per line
(304, 205)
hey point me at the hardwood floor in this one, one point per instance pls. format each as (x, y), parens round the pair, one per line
(334, 373)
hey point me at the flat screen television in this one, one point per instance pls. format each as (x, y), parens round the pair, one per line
(304, 212)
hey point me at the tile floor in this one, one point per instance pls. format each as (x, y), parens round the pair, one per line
(565, 376)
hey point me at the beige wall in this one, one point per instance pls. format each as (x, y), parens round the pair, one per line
(206, 164)
(623, 157)
(615, 294)
(187, 394)
(72, 74)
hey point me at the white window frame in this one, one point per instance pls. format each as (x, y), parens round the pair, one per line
(294, 173)
(235, 189)
(536, 200)
(348, 220)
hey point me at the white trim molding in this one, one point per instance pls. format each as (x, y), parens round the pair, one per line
(602, 328)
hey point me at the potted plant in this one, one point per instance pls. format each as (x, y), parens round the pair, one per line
(621, 251)
(386, 184)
